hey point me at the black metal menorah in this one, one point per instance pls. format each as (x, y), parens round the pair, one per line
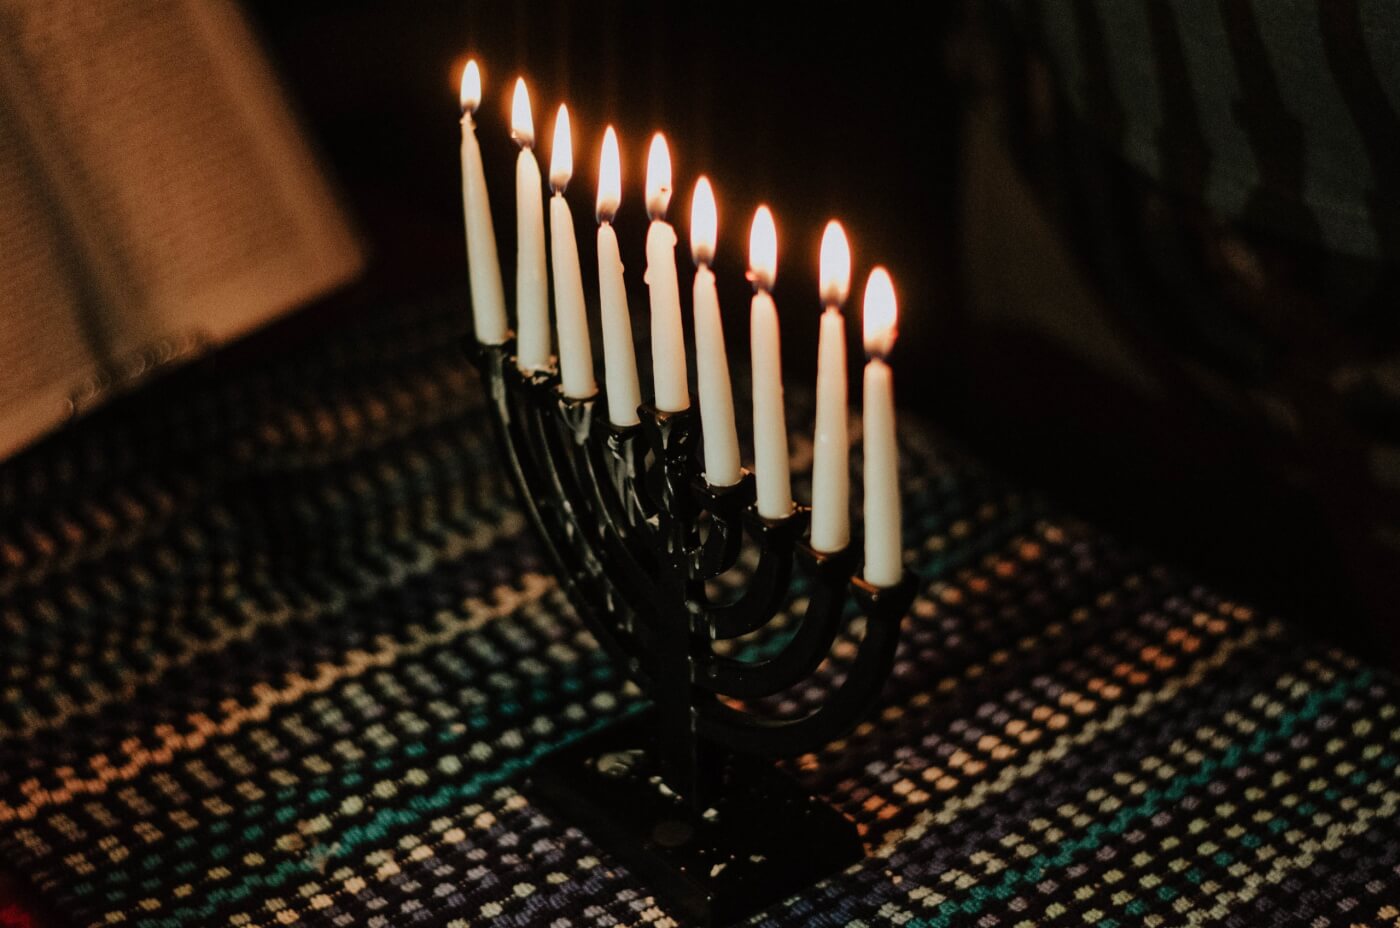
(686, 793)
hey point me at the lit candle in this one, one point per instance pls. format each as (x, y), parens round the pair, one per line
(831, 481)
(619, 354)
(884, 562)
(484, 267)
(531, 286)
(570, 313)
(667, 336)
(721, 439)
(769, 420)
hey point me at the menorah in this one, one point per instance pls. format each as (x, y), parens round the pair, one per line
(686, 794)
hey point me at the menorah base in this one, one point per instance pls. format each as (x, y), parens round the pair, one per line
(764, 839)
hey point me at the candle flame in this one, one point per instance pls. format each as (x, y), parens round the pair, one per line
(880, 313)
(704, 222)
(835, 265)
(561, 157)
(658, 177)
(522, 124)
(609, 177)
(470, 94)
(763, 249)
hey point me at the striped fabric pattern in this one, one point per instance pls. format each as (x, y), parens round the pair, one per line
(275, 649)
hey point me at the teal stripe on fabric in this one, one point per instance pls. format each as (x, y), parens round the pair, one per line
(1280, 821)
(949, 911)
(291, 804)
(352, 838)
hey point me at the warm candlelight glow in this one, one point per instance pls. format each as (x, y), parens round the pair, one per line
(835, 265)
(470, 95)
(763, 249)
(522, 124)
(561, 158)
(880, 313)
(658, 177)
(609, 177)
(704, 222)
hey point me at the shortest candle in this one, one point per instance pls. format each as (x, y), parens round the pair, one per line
(884, 560)
(720, 437)
(770, 445)
(571, 314)
(831, 477)
(619, 354)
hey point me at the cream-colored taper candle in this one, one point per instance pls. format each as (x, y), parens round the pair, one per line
(884, 558)
(770, 444)
(531, 284)
(720, 435)
(831, 477)
(570, 311)
(483, 264)
(619, 354)
(667, 336)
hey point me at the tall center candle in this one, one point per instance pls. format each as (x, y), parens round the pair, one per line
(531, 284)
(831, 479)
(570, 312)
(720, 436)
(884, 561)
(483, 265)
(619, 354)
(667, 336)
(770, 444)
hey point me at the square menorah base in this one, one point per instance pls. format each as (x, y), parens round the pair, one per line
(763, 840)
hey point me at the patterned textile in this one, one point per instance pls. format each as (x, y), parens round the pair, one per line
(277, 647)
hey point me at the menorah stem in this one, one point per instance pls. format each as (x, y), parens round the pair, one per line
(685, 768)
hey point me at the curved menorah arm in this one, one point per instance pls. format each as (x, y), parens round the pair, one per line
(804, 651)
(737, 730)
(601, 509)
(670, 438)
(541, 496)
(767, 586)
(725, 536)
(613, 468)
(496, 365)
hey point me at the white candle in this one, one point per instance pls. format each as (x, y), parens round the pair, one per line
(531, 285)
(831, 481)
(884, 561)
(570, 312)
(619, 354)
(483, 265)
(721, 438)
(769, 419)
(667, 336)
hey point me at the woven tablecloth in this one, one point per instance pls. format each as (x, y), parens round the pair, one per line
(275, 648)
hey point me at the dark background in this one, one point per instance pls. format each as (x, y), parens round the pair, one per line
(860, 112)
(819, 115)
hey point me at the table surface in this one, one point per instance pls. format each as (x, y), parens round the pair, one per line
(280, 646)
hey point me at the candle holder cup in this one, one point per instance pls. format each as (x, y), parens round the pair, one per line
(686, 793)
